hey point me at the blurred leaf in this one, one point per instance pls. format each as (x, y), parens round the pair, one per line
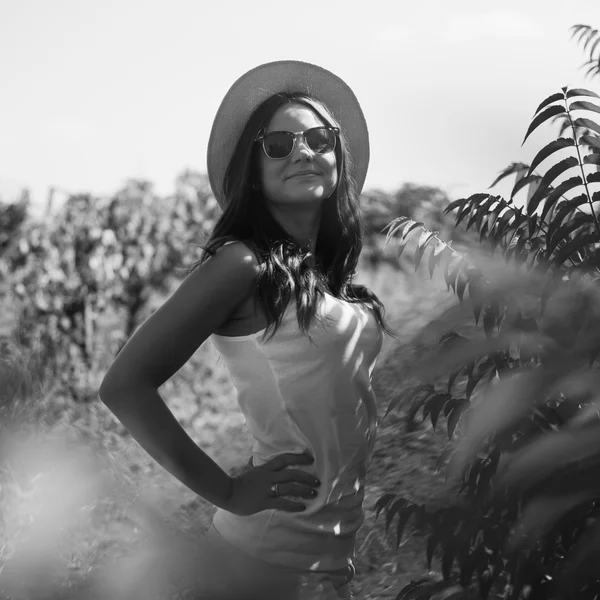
(503, 221)
(587, 124)
(524, 181)
(415, 393)
(540, 515)
(505, 404)
(397, 225)
(394, 508)
(583, 105)
(590, 140)
(552, 452)
(448, 560)
(510, 170)
(461, 283)
(476, 296)
(490, 316)
(581, 564)
(407, 512)
(424, 239)
(581, 92)
(435, 256)
(472, 562)
(591, 159)
(482, 368)
(542, 118)
(382, 502)
(433, 407)
(432, 543)
(451, 270)
(453, 414)
(455, 204)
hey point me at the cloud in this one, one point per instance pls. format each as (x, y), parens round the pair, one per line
(498, 24)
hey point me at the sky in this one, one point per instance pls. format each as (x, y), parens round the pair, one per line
(94, 93)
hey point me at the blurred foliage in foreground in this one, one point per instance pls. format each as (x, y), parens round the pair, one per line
(522, 516)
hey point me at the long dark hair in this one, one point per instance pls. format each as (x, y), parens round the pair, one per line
(285, 272)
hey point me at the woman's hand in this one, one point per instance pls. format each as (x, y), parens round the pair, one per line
(251, 491)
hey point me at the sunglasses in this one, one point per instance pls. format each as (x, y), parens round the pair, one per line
(280, 144)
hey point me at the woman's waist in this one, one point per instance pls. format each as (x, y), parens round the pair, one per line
(320, 529)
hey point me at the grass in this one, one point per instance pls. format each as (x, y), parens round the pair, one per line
(85, 513)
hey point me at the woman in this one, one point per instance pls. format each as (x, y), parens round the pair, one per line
(287, 157)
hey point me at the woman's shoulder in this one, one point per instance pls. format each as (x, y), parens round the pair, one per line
(236, 250)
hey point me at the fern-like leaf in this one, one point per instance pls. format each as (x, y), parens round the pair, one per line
(435, 256)
(592, 141)
(565, 208)
(528, 179)
(557, 193)
(581, 92)
(424, 239)
(548, 150)
(588, 124)
(382, 502)
(550, 100)
(552, 173)
(583, 105)
(575, 245)
(563, 233)
(510, 170)
(542, 118)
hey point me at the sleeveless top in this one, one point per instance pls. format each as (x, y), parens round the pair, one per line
(299, 396)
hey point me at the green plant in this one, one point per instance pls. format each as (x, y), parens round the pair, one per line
(526, 524)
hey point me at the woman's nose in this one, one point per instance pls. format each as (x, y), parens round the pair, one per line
(302, 149)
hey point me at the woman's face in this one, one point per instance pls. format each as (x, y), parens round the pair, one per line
(304, 176)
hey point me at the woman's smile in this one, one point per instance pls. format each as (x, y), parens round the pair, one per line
(303, 174)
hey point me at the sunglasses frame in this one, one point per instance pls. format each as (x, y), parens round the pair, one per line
(294, 137)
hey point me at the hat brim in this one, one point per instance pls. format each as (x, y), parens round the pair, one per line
(255, 86)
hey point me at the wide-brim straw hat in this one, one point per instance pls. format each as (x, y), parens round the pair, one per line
(255, 86)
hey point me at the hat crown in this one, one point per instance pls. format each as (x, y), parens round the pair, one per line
(287, 76)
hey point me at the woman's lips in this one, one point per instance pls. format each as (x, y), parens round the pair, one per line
(303, 174)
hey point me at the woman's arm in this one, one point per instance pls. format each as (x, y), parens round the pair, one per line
(159, 348)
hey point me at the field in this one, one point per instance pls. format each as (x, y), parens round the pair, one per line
(84, 494)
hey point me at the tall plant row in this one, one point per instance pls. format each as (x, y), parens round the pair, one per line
(525, 521)
(96, 257)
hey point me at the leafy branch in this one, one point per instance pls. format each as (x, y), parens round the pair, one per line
(589, 37)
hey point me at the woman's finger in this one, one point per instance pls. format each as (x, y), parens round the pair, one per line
(288, 505)
(285, 460)
(296, 476)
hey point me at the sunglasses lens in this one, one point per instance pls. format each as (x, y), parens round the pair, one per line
(320, 140)
(278, 144)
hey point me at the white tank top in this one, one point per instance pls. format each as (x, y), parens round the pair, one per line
(299, 397)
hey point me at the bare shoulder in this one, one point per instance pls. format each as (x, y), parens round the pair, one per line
(237, 255)
(203, 302)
